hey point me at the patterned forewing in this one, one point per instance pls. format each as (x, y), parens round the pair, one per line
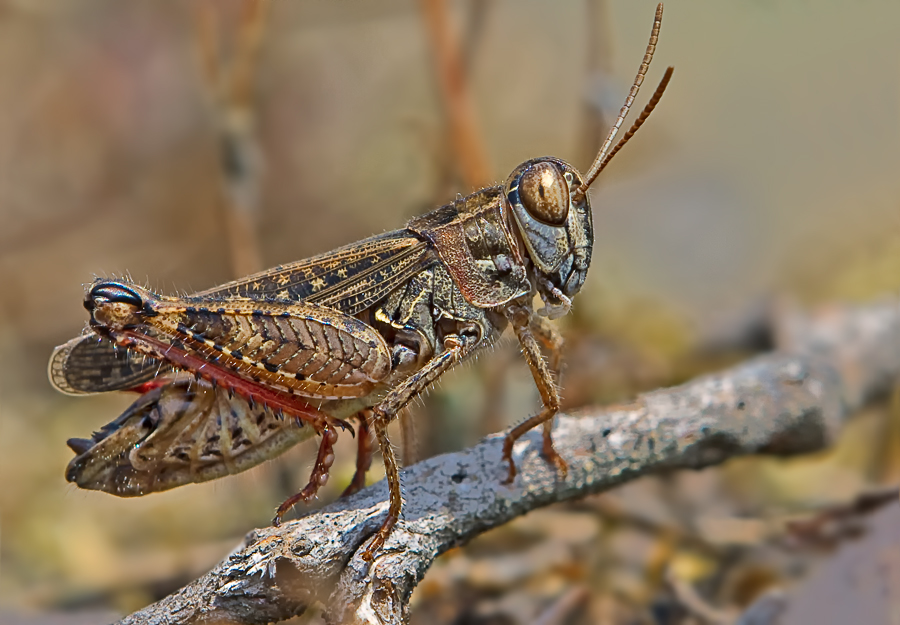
(349, 279)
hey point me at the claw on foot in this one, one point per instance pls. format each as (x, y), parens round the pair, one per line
(507, 457)
(550, 455)
(344, 425)
(511, 475)
(556, 460)
(547, 451)
(380, 536)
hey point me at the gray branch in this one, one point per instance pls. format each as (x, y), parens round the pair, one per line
(788, 402)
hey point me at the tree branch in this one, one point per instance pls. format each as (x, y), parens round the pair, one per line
(792, 401)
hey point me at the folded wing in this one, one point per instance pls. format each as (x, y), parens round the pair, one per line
(349, 279)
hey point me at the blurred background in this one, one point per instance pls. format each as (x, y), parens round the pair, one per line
(188, 143)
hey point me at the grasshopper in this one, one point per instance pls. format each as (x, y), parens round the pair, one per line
(356, 332)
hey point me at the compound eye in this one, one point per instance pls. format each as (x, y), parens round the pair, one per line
(112, 293)
(545, 193)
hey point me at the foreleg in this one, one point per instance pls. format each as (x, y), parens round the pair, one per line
(531, 331)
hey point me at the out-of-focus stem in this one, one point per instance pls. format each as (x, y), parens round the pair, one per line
(231, 84)
(456, 96)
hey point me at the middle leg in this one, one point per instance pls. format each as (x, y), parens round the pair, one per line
(456, 347)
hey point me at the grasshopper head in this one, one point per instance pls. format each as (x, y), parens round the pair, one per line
(554, 223)
(549, 202)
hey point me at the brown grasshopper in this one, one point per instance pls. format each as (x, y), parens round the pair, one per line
(359, 332)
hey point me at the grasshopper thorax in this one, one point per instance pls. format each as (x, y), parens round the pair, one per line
(554, 224)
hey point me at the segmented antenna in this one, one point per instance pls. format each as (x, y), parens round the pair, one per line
(657, 95)
(601, 159)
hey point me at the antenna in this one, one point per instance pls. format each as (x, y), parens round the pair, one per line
(657, 95)
(602, 159)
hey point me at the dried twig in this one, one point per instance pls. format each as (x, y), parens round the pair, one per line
(833, 525)
(688, 597)
(787, 402)
(564, 606)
